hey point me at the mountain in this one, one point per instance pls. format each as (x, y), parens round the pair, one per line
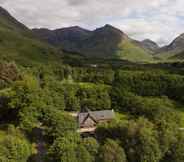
(55, 37)
(150, 45)
(173, 51)
(30, 47)
(26, 47)
(18, 43)
(6, 20)
(77, 39)
(104, 42)
(67, 38)
(176, 46)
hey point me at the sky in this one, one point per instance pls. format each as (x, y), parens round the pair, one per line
(159, 20)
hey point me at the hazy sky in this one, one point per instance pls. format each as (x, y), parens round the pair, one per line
(159, 20)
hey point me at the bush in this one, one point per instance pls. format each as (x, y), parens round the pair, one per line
(68, 148)
(111, 151)
(14, 147)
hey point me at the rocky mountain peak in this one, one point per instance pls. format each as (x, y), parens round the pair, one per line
(150, 45)
(110, 31)
(177, 45)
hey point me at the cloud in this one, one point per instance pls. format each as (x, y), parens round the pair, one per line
(160, 20)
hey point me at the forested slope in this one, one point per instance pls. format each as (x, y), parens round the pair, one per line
(149, 116)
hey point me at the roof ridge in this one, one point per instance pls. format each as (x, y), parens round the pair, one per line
(89, 115)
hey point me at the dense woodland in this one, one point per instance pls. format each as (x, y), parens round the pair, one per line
(35, 103)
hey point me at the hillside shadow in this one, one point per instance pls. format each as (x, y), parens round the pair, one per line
(104, 42)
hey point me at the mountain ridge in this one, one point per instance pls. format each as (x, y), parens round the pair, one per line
(106, 41)
(176, 45)
(174, 50)
(151, 45)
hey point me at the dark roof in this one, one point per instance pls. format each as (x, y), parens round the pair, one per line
(96, 116)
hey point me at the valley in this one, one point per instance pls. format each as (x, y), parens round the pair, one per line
(129, 93)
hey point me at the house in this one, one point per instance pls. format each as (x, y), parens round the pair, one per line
(94, 65)
(88, 121)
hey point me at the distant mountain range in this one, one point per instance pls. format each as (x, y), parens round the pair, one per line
(19, 43)
(110, 42)
(77, 35)
(104, 42)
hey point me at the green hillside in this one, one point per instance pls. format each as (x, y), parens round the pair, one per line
(179, 56)
(18, 43)
(169, 57)
(24, 50)
(9, 22)
(128, 51)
